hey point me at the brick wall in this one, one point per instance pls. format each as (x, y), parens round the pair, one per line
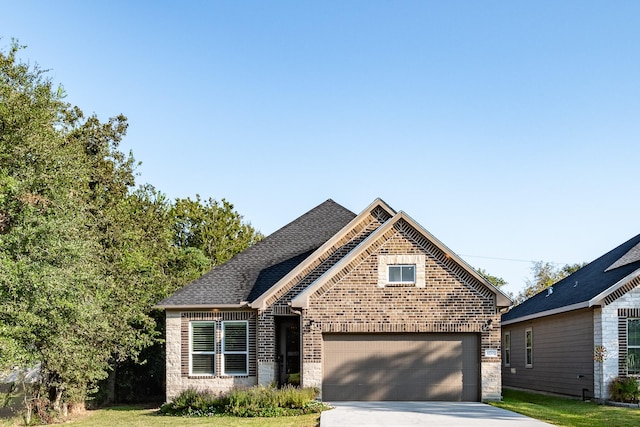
(177, 358)
(451, 301)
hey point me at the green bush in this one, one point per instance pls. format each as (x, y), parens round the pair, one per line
(624, 389)
(192, 402)
(248, 402)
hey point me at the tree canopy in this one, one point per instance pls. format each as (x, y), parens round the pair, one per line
(84, 253)
(545, 274)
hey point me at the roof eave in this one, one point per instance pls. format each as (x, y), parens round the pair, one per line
(243, 304)
(302, 300)
(598, 299)
(563, 309)
(502, 300)
(260, 303)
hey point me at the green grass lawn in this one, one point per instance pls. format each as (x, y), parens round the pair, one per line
(551, 409)
(136, 416)
(568, 412)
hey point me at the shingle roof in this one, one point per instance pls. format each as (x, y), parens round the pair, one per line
(250, 273)
(585, 284)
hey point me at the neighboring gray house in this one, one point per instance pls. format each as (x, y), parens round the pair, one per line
(364, 307)
(554, 341)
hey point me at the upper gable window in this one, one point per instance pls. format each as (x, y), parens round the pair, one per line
(401, 270)
(399, 274)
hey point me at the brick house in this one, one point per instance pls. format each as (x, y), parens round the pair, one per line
(364, 307)
(551, 342)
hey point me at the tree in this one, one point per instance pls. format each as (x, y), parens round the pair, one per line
(545, 274)
(49, 259)
(498, 282)
(213, 227)
(83, 254)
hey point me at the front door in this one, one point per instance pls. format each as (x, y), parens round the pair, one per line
(288, 333)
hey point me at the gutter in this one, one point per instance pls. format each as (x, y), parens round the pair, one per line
(577, 306)
(243, 304)
(593, 302)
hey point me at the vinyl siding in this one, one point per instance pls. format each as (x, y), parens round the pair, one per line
(562, 354)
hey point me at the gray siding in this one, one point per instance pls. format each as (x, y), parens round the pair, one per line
(562, 354)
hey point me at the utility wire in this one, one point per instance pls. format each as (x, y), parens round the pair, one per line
(510, 259)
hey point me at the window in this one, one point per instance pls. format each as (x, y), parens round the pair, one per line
(633, 346)
(202, 349)
(402, 273)
(402, 270)
(507, 349)
(235, 354)
(528, 346)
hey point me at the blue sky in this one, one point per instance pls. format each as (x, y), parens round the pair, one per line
(509, 129)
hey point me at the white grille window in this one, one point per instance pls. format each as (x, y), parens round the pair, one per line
(528, 347)
(235, 348)
(507, 349)
(202, 349)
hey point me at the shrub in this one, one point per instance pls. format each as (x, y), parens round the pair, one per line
(624, 389)
(248, 402)
(195, 402)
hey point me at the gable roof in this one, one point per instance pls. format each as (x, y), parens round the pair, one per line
(250, 273)
(584, 288)
(260, 302)
(302, 300)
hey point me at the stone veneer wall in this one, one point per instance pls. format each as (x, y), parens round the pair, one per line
(607, 331)
(452, 301)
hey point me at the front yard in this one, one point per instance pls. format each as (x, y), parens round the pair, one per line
(568, 412)
(554, 410)
(135, 416)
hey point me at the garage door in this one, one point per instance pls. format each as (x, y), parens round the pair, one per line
(400, 367)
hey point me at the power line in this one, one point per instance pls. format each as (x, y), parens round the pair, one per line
(511, 259)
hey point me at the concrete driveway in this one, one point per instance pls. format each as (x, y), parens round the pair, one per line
(436, 414)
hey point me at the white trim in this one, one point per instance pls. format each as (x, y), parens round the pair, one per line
(243, 304)
(261, 302)
(416, 260)
(593, 302)
(302, 300)
(191, 352)
(223, 352)
(597, 300)
(507, 363)
(584, 304)
(526, 362)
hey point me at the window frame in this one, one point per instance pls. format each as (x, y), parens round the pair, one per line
(224, 352)
(528, 348)
(636, 372)
(211, 352)
(401, 282)
(507, 349)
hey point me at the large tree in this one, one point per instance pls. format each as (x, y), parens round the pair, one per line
(84, 255)
(50, 311)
